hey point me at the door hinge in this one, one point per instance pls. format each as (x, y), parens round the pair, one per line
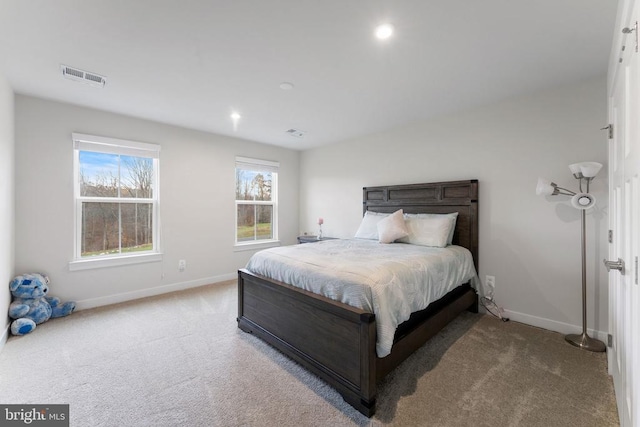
(636, 270)
(609, 340)
(610, 128)
(610, 236)
(628, 30)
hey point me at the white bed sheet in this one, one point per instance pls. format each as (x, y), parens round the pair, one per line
(390, 280)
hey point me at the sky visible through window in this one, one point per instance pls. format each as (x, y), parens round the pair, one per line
(94, 165)
(250, 175)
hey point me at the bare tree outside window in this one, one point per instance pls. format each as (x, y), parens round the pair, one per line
(123, 222)
(254, 220)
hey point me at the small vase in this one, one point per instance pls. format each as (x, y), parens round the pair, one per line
(320, 232)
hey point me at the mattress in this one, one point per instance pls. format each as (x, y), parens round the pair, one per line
(390, 280)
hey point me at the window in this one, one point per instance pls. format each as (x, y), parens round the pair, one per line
(116, 199)
(256, 200)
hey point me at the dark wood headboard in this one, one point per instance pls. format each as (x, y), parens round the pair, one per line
(435, 197)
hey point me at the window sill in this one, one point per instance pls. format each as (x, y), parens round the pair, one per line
(90, 263)
(253, 246)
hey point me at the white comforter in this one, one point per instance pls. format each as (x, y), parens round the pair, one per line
(392, 280)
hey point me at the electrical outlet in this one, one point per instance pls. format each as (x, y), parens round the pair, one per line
(182, 265)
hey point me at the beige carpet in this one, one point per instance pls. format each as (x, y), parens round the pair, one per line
(179, 360)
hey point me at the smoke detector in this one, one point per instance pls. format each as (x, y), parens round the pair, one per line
(78, 75)
(296, 132)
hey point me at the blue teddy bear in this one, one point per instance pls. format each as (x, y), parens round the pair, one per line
(31, 306)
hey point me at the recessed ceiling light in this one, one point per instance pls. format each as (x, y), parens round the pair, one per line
(286, 86)
(235, 118)
(384, 31)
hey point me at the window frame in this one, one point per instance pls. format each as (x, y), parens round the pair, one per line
(258, 165)
(99, 144)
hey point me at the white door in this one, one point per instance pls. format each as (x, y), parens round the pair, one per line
(624, 197)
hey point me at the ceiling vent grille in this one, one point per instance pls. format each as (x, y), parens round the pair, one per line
(83, 76)
(296, 132)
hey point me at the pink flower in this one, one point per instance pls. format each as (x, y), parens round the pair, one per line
(320, 221)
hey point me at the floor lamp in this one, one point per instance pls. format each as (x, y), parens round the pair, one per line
(584, 172)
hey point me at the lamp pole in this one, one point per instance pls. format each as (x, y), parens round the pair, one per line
(583, 340)
(581, 171)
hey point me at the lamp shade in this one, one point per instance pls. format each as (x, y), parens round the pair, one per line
(575, 168)
(545, 187)
(590, 169)
(585, 169)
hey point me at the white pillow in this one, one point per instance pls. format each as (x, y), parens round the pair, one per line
(392, 228)
(452, 216)
(369, 226)
(430, 229)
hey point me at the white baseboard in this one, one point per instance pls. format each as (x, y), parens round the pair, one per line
(4, 337)
(149, 292)
(552, 325)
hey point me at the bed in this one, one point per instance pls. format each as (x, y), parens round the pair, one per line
(337, 341)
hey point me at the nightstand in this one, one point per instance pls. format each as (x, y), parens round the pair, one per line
(312, 239)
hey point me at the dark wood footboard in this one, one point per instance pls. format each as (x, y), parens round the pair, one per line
(336, 341)
(333, 340)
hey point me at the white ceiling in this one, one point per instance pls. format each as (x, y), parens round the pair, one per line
(192, 62)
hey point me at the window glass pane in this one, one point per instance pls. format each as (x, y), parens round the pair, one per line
(137, 227)
(102, 222)
(252, 185)
(136, 176)
(98, 174)
(100, 230)
(264, 228)
(255, 222)
(246, 223)
(123, 171)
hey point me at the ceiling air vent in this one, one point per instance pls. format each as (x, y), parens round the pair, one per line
(295, 132)
(83, 76)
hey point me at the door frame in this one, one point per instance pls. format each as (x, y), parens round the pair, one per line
(627, 380)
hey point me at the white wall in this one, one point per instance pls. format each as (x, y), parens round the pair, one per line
(529, 243)
(197, 195)
(6, 202)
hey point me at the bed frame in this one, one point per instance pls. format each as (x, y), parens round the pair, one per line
(337, 342)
